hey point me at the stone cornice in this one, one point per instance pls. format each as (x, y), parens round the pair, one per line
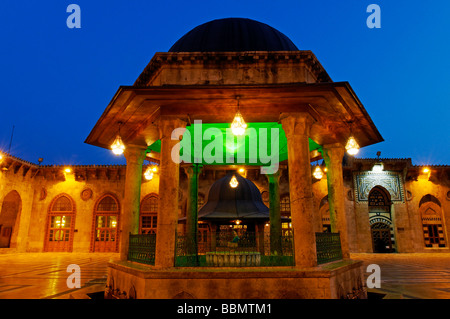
(305, 57)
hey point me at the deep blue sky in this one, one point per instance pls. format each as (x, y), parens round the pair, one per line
(56, 82)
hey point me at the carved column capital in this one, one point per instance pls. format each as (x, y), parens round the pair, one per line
(296, 123)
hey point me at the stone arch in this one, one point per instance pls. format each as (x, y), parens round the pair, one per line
(429, 198)
(105, 223)
(60, 224)
(184, 295)
(148, 214)
(433, 223)
(10, 210)
(380, 220)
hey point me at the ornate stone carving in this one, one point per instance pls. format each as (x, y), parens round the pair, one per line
(391, 181)
(86, 194)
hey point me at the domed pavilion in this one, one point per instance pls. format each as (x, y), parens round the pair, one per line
(180, 112)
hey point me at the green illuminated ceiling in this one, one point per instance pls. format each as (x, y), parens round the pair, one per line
(220, 147)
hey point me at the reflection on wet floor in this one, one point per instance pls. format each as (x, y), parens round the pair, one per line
(410, 276)
(44, 275)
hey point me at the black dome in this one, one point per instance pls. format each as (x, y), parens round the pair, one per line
(233, 35)
(227, 203)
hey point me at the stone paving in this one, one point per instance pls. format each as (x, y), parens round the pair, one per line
(44, 275)
(410, 276)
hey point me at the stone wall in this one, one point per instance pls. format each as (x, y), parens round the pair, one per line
(85, 185)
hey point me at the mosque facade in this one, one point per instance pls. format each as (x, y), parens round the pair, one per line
(217, 75)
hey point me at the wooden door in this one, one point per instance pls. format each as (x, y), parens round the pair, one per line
(60, 225)
(381, 238)
(105, 225)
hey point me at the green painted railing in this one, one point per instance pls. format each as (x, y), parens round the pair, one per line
(328, 247)
(224, 249)
(142, 248)
(221, 249)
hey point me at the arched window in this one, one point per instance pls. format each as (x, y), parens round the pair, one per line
(149, 214)
(432, 223)
(285, 206)
(105, 224)
(285, 211)
(60, 224)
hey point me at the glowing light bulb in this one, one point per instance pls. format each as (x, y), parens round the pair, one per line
(241, 170)
(237, 222)
(67, 170)
(238, 125)
(233, 182)
(426, 170)
(352, 146)
(148, 174)
(318, 174)
(377, 168)
(118, 147)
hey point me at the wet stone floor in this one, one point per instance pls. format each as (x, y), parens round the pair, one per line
(409, 276)
(44, 275)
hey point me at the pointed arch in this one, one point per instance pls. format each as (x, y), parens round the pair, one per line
(148, 216)
(60, 224)
(10, 210)
(433, 228)
(380, 220)
(106, 219)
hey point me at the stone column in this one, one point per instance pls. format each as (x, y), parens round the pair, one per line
(274, 212)
(132, 194)
(169, 177)
(192, 207)
(297, 129)
(333, 155)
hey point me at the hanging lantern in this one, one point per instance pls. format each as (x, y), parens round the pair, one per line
(238, 125)
(117, 147)
(317, 173)
(352, 146)
(233, 182)
(148, 175)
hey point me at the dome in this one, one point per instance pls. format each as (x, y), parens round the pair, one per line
(227, 203)
(233, 35)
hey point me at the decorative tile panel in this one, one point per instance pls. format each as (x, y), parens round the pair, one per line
(365, 181)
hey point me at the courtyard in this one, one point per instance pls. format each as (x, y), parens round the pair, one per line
(44, 275)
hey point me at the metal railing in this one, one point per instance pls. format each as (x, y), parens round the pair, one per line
(142, 248)
(328, 247)
(222, 249)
